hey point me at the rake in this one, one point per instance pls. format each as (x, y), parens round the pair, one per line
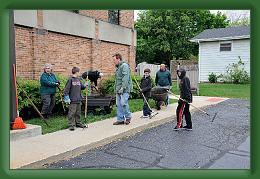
(152, 112)
(214, 116)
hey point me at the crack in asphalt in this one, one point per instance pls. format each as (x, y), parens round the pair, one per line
(157, 160)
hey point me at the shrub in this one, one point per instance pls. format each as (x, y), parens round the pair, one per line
(236, 73)
(32, 88)
(107, 85)
(213, 78)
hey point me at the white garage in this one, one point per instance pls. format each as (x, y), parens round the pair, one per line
(220, 47)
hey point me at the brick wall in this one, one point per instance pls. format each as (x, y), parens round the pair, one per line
(126, 17)
(97, 14)
(107, 51)
(65, 51)
(24, 52)
(35, 47)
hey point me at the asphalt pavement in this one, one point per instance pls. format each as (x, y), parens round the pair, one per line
(223, 143)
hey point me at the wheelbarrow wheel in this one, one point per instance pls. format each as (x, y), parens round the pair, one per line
(159, 105)
(108, 109)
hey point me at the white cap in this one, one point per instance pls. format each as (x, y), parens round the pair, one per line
(47, 65)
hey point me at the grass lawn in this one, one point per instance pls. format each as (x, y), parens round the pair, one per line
(241, 91)
(61, 122)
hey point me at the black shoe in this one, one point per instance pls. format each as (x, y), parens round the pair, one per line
(118, 123)
(127, 121)
(187, 128)
(80, 125)
(71, 128)
(45, 116)
(176, 128)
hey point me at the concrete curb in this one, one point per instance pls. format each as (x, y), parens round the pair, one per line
(30, 131)
(73, 153)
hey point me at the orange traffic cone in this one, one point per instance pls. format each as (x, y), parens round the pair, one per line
(18, 121)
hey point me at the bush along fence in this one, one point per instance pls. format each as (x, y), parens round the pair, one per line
(235, 73)
(32, 88)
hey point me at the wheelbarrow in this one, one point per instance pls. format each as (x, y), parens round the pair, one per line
(159, 94)
(98, 104)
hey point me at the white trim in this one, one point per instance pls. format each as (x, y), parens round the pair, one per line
(199, 60)
(222, 38)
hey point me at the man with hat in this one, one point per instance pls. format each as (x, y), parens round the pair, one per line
(48, 86)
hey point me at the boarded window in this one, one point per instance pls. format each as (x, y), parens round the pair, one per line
(225, 46)
(113, 16)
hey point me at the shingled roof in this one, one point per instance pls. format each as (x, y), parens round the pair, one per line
(238, 32)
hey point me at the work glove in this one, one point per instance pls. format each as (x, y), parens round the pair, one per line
(58, 83)
(67, 99)
(120, 91)
(188, 99)
(86, 84)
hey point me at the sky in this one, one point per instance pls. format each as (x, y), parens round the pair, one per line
(231, 14)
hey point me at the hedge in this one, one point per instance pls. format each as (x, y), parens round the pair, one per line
(32, 88)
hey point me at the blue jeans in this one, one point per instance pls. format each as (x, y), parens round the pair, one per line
(123, 111)
(146, 109)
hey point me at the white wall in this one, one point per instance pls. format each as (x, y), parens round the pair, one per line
(26, 17)
(115, 33)
(69, 23)
(212, 60)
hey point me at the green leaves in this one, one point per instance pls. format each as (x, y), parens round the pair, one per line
(164, 34)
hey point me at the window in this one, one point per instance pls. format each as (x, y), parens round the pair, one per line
(113, 16)
(225, 46)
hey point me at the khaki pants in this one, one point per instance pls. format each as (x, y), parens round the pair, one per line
(74, 114)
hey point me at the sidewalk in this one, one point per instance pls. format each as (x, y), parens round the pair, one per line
(38, 151)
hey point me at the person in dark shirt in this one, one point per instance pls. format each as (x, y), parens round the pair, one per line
(163, 79)
(72, 96)
(184, 106)
(146, 86)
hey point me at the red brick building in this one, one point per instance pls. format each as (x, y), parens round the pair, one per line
(84, 38)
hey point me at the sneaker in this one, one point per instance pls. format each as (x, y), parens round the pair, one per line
(118, 123)
(80, 125)
(187, 128)
(71, 128)
(45, 116)
(127, 121)
(145, 116)
(176, 128)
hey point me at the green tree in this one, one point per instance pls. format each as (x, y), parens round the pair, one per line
(164, 34)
